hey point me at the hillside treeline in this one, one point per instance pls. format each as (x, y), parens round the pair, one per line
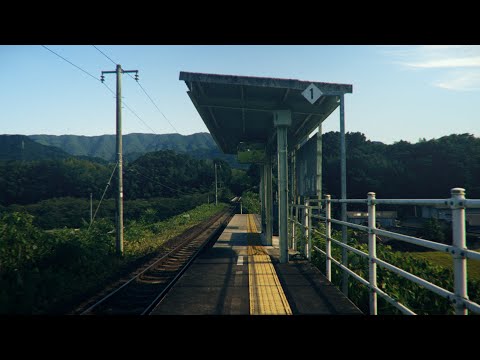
(426, 169)
(57, 192)
(158, 174)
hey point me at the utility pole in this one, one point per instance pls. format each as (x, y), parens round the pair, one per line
(119, 198)
(216, 191)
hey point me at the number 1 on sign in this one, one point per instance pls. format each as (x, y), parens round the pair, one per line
(311, 93)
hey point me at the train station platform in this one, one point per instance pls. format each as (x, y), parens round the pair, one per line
(238, 275)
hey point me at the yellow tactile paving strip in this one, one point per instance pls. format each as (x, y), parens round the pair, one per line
(266, 292)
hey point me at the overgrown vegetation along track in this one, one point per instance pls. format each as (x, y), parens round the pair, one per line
(138, 294)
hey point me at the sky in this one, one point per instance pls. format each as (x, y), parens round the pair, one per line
(400, 92)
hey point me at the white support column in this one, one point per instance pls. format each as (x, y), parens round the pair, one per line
(295, 192)
(343, 171)
(372, 253)
(457, 204)
(268, 202)
(262, 196)
(309, 219)
(264, 188)
(328, 235)
(292, 202)
(282, 120)
(296, 213)
(319, 163)
(308, 229)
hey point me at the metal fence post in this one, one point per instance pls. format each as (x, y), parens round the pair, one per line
(457, 204)
(372, 253)
(328, 235)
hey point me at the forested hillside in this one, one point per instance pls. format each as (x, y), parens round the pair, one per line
(22, 148)
(161, 173)
(33, 181)
(165, 173)
(200, 145)
(426, 169)
(57, 192)
(103, 146)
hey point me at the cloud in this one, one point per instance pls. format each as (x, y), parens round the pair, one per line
(448, 63)
(462, 81)
(458, 66)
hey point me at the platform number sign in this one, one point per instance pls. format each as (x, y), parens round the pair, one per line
(312, 93)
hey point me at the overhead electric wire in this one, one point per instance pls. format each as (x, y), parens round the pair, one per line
(104, 191)
(141, 87)
(124, 103)
(113, 92)
(150, 98)
(105, 55)
(134, 113)
(145, 91)
(78, 67)
(176, 131)
(86, 72)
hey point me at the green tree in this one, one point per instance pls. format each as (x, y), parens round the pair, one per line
(434, 230)
(20, 241)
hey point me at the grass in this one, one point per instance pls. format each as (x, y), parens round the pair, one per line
(141, 239)
(445, 260)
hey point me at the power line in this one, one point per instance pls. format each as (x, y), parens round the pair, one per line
(150, 98)
(99, 80)
(141, 87)
(105, 55)
(145, 91)
(78, 67)
(108, 184)
(134, 113)
(138, 82)
(113, 92)
(128, 107)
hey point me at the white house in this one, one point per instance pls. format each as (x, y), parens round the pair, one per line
(384, 218)
(443, 212)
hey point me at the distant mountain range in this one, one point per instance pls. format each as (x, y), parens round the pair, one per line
(21, 147)
(103, 146)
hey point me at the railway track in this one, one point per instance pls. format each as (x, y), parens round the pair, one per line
(141, 292)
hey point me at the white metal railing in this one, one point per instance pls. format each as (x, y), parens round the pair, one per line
(458, 250)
